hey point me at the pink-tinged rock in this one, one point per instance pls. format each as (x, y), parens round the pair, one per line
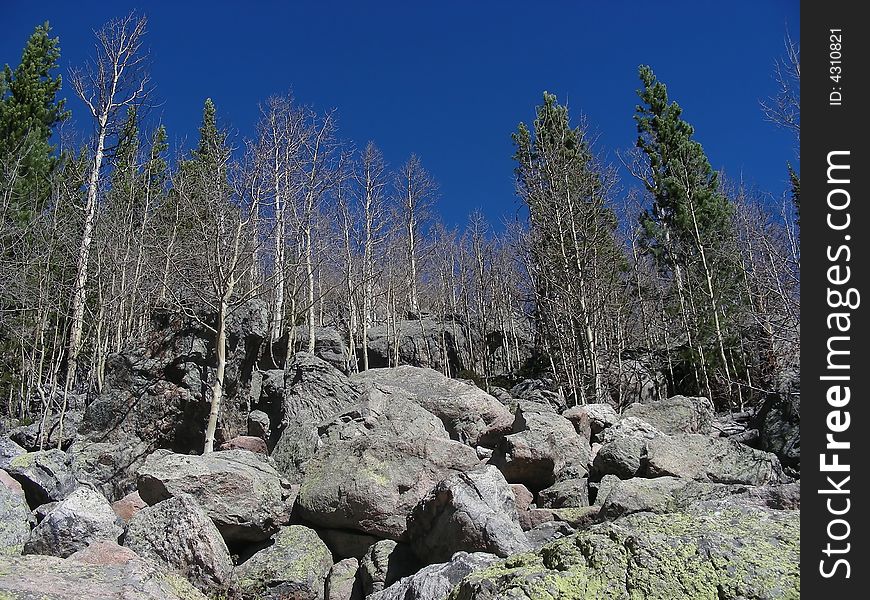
(523, 495)
(127, 507)
(103, 552)
(13, 486)
(246, 442)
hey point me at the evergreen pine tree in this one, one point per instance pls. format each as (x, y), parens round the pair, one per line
(29, 114)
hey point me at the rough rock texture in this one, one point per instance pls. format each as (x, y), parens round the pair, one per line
(83, 517)
(435, 581)
(429, 342)
(314, 391)
(473, 511)
(571, 493)
(342, 583)
(377, 461)
(466, 410)
(622, 456)
(639, 380)
(672, 494)
(109, 466)
(695, 456)
(50, 578)
(522, 496)
(678, 414)
(543, 449)
(779, 421)
(246, 442)
(547, 532)
(329, 345)
(600, 416)
(385, 563)
(14, 521)
(178, 534)
(46, 476)
(294, 567)
(239, 490)
(127, 507)
(629, 426)
(727, 553)
(259, 424)
(8, 451)
(28, 436)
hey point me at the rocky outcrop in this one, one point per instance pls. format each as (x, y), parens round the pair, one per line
(83, 517)
(50, 578)
(14, 521)
(429, 342)
(46, 476)
(466, 410)
(474, 511)
(385, 563)
(435, 581)
(177, 534)
(295, 566)
(678, 414)
(110, 467)
(393, 451)
(30, 437)
(728, 552)
(240, 491)
(543, 449)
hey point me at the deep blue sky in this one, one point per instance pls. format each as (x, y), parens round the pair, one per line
(450, 80)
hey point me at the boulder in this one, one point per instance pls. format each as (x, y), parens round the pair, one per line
(474, 511)
(177, 534)
(127, 507)
(466, 410)
(522, 496)
(342, 583)
(8, 451)
(600, 417)
(46, 476)
(435, 581)
(603, 489)
(543, 449)
(314, 391)
(376, 462)
(622, 456)
(110, 467)
(83, 517)
(240, 491)
(427, 342)
(578, 518)
(295, 566)
(571, 493)
(30, 436)
(695, 456)
(50, 578)
(640, 379)
(728, 553)
(547, 532)
(103, 552)
(329, 345)
(258, 421)
(246, 442)
(385, 563)
(14, 521)
(678, 414)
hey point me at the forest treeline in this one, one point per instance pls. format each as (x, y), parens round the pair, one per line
(679, 266)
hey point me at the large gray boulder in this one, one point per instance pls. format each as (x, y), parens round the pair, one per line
(435, 581)
(313, 391)
(678, 414)
(295, 566)
(30, 436)
(428, 342)
(466, 410)
(376, 462)
(14, 521)
(239, 490)
(46, 476)
(111, 467)
(8, 451)
(342, 583)
(695, 456)
(83, 517)
(329, 345)
(177, 534)
(622, 456)
(570, 493)
(600, 416)
(474, 511)
(727, 552)
(127, 577)
(544, 449)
